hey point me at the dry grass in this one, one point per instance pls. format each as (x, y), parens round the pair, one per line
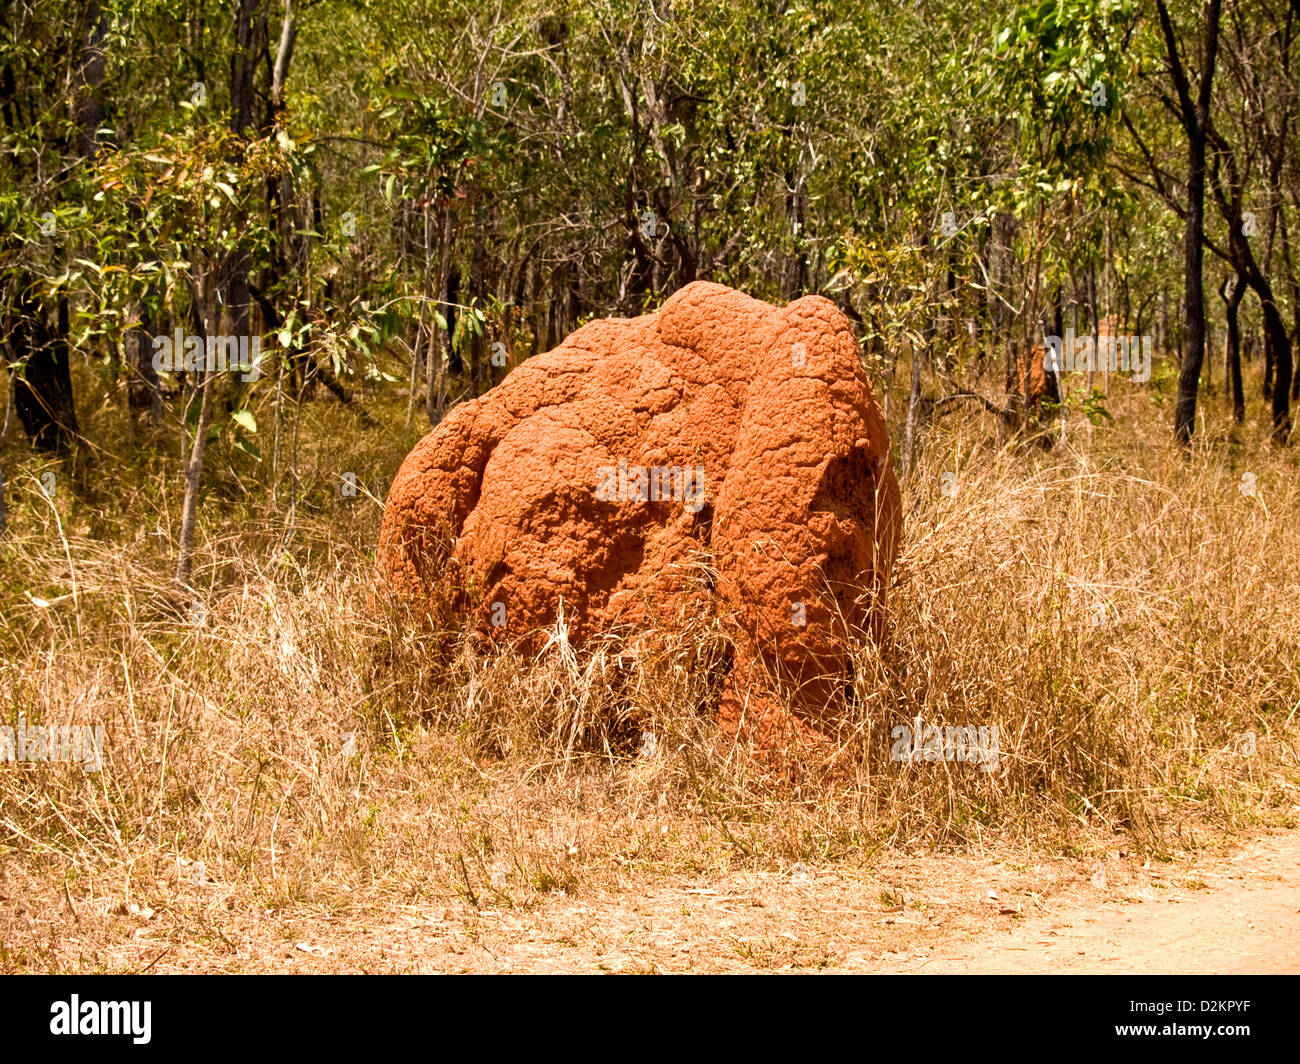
(303, 753)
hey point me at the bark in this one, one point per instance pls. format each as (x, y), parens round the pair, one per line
(143, 390)
(1275, 337)
(243, 67)
(4, 436)
(9, 410)
(421, 337)
(480, 369)
(43, 398)
(1095, 326)
(451, 315)
(194, 469)
(1293, 284)
(913, 402)
(88, 107)
(283, 53)
(794, 276)
(1267, 389)
(1277, 344)
(435, 378)
(1194, 116)
(280, 191)
(1232, 291)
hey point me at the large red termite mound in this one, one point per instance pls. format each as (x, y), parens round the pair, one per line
(723, 454)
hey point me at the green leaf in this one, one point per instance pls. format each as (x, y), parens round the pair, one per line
(245, 420)
(248, 448)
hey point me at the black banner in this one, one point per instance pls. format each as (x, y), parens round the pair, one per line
(497, 1014)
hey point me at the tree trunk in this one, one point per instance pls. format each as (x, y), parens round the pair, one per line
(88, 108)
(433, 399)
(1232, 291)
(194, 470)
(43, 397)
(143, 390)
(1293, 284)
(451, 301)
(1194, 116)
(243, 67)
(913, 402)
(1189, 377)
(1275, 337)
(480, 371)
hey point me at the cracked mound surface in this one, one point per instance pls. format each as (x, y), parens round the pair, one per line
(720, 454)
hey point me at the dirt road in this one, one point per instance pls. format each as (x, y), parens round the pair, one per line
(1237, 912)
(1246, 919)
(1225, 912)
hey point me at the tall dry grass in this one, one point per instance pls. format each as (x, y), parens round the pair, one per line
(1123, 614)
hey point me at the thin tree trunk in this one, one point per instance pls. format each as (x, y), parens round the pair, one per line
(1194, 116)
(8, 422)
(415, 369)
(1294, 285)
(1108, 316)
(433, 398)
(283, 52)
(275, 445)
(913, 401)
(194, 469)
(4, 438)
(480, 371)
(143, 390)
(419, 325)
(249, 36)
(1096, 338)
(1232, 291)
(1189, 377)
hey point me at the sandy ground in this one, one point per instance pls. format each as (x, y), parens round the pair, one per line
(1221, 913)
(1245, 919)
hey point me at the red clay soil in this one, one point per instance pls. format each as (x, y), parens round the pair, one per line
(722, 454)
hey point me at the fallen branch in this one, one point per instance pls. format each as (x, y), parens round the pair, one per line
(991, 407)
